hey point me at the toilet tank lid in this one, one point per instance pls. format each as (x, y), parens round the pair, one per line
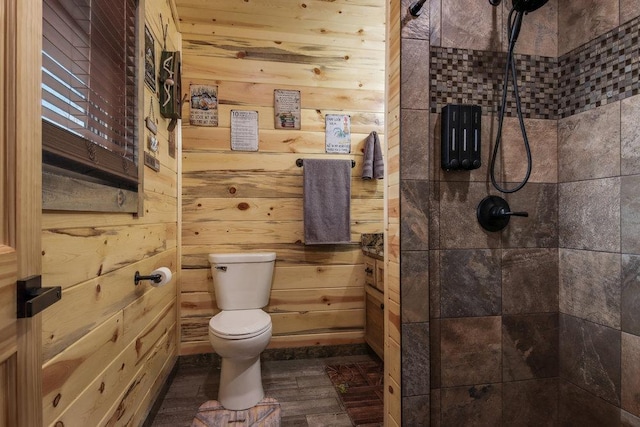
(242, 257)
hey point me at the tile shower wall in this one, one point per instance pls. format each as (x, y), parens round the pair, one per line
(565, 282)
(599, 220)
(494, 296)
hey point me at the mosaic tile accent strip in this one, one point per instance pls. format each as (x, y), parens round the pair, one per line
(604, 70)
(463, 76)
(600, 72)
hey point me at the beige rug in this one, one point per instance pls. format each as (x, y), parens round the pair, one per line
(212, 414)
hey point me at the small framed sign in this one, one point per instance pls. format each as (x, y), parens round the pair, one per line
(287, 109)
(244, 130)
(203, 109)
(337, 133)
(149, 59)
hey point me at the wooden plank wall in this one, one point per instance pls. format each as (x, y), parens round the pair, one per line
(109, 345)
(334, 53)
(392, 351)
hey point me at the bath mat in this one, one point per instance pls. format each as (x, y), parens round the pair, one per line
(359, 386)
(266, 413)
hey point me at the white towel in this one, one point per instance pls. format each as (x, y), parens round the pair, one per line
(327, 201)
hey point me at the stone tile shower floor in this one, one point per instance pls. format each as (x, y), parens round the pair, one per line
(306, 394)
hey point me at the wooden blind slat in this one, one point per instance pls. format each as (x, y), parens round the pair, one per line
(89, 83)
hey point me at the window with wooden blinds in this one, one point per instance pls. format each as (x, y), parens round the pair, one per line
(89, 89)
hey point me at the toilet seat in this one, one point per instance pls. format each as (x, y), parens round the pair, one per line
(239, 324)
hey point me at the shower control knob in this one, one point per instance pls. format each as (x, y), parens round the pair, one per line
(493, 213)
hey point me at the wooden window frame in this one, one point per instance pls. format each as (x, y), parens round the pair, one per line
(79, 175)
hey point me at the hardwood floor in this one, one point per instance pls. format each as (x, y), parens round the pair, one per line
(306, 395)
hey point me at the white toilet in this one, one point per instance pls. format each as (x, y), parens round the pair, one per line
(242, 330)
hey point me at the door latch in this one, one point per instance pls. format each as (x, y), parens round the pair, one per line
(33, 298)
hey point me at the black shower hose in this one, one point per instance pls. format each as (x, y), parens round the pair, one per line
(514, 29)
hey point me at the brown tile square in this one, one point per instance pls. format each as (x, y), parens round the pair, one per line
(529, 281)
(581, 408)
(529, 346)
(631, 373)
(415, 359)
(478, 405)
(584, 224)
(590, 357)
(540, 228)
(435, 352)
(630, 133)
(543, 140)
(414, 74)
(629, 313)
(435, 19)
(470, 351)
(434, 285)
(579, 22)
(539, 32)
(630, 214)
(470, 283)
(459, 228)
(414, 220)
(415, 411)
(414, 27)
(530, 403)
(436, 407)
(414, 150)
(629, 420)
(471, 25)
(629, 9)
(589, 144)
(414, 286)
(590, 286)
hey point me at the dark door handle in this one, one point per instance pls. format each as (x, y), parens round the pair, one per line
(33, 298)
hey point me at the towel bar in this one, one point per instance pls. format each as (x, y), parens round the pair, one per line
(300, 161)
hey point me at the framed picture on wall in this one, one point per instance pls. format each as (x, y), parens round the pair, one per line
(287, 109)
(337, 132)
(149, 59)
(203, 109)
(244, 130)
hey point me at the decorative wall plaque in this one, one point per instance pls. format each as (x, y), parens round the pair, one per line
(204, 105)
(244, 130)
(337, 133)
(287, 109)
(149, 59)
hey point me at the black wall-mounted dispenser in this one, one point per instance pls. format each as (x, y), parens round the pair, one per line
(460, 139)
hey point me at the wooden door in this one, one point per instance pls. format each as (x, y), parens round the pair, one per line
(20, 198)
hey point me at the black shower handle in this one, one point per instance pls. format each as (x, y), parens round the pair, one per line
(501, 212)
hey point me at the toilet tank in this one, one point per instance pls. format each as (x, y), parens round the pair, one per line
(242, 281)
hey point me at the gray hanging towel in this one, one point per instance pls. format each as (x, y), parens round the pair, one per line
(367, 160)
(327, 198)
(378, 162)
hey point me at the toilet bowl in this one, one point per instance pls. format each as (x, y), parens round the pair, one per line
(242, 330)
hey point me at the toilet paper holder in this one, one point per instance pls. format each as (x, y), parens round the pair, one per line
(158, 277)
(155, 278)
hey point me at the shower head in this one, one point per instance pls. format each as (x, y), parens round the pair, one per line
(528, 6)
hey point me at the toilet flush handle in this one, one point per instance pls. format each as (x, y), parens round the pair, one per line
(221, 267)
